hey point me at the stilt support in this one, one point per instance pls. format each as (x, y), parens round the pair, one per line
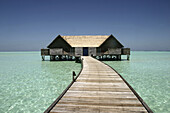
(77, 59)
(52, 58)
(118, 57)
(59, 57)
(128, 57)
(43, 57)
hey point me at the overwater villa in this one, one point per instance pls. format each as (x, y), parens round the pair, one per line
(102, 47)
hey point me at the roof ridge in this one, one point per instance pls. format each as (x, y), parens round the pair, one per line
(85, 35)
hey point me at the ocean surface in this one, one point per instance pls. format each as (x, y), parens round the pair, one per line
(30, 85)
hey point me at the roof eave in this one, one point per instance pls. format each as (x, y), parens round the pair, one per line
(114, 38)
(117, 40)
(55, 39)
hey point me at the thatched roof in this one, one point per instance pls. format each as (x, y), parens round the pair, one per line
(85, 40)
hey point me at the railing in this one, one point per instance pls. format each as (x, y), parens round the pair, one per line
(125, 51)
(118, 51)
(45, 52)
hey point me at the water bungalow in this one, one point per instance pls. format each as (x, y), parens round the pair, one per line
(103, 47)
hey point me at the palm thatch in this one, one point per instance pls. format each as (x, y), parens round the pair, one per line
(85, 41)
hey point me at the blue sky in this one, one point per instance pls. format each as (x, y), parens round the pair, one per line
(33, 24)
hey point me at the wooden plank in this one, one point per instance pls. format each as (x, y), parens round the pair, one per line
(98, 103)
(98, 89)
(85, 108)
(103, 107)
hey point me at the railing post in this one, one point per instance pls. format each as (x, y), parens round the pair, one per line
(43, 57)
(128, 56)
(82, 63)
(74, 74)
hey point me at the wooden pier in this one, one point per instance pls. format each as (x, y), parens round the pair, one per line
(98, 89)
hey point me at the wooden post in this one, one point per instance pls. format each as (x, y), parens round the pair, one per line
(74, 74)
(64, 56)
(71, 58)
(116, 57)
(56, 57)
(111, 58)
(119, 57)
(43, 57)
(98, 57)
(128, 57)
(67, 57)
(52, 58)
(101, 57)
(82, 63)
(59, 57)
(77, 59)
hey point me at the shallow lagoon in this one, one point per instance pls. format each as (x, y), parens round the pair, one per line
(28, 84)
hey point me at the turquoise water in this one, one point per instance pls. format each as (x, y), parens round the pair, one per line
(149, 74)
(30, 85)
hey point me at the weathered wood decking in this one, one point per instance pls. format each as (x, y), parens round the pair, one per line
(99, 89)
